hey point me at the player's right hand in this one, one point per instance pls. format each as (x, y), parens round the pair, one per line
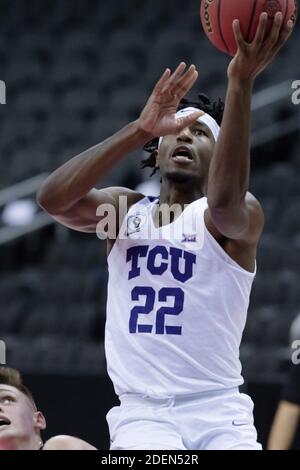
(252, 58)
(158, 118)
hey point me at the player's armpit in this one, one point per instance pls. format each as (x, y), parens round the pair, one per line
(243, 223)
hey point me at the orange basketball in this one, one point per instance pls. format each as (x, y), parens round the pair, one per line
(217, 17)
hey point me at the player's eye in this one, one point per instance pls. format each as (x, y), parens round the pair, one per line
(200, 132)
(7, 400)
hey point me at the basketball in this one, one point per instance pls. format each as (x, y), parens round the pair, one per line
(217, 17)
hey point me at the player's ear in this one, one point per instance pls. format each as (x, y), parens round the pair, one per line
(40, 421)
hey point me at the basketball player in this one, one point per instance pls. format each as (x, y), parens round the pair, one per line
(287, 416)
(21, 423)
(178, 299)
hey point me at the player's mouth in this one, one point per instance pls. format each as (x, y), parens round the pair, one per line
(183, 154)
(4, 422)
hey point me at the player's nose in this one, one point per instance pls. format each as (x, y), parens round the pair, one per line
(185, 136)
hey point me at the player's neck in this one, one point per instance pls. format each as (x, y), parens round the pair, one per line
(32, 443)
(179, 194)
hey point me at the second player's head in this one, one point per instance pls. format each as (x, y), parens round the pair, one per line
(20, 422)
(185, 158)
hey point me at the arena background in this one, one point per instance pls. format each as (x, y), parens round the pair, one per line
(75, 72)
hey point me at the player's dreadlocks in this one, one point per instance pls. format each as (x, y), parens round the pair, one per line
(215, 109)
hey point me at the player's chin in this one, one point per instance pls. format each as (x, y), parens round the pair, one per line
(6, 432)
(182, 175)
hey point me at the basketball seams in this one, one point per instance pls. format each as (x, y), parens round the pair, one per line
(220, 26)
(217, 17)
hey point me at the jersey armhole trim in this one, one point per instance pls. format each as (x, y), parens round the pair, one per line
(225, 256)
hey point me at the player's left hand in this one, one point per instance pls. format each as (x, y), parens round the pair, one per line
(252, 58)
(158, 117)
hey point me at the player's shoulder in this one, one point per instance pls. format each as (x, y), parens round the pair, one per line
(67, 443)
(256, 222)
(251, 198)
(254, 205)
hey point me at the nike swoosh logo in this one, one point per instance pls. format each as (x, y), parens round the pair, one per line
(237, 422)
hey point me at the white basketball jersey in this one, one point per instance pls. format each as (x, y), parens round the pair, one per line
(176, 308)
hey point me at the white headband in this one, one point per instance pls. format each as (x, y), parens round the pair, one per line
(206, 119)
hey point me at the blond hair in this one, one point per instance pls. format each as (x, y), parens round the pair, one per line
(12, 377)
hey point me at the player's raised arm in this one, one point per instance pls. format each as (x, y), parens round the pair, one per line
(235, 214)
(68, 194)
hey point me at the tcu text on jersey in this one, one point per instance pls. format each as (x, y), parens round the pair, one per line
(157, 261)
